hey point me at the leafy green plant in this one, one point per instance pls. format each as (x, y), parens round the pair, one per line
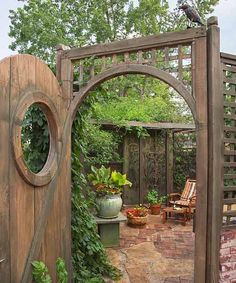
(119, 180)
(107, 182)
(153, 197)
(40, 272)
(35, 138)
(62, 274)
(100, 176)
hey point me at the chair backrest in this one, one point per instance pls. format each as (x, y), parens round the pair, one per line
(189, 190)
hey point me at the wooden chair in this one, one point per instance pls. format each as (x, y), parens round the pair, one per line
(187, 199)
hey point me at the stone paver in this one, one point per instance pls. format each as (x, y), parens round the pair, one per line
(155, 253)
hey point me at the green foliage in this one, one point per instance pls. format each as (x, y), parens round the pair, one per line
(40, 272)
(62, 274)
(39, 26)
(100, 176)
(90, 261)
(119, 180)
(35, 138)
(101, 146)
(147, 109)
(107, 182)
(153, 197)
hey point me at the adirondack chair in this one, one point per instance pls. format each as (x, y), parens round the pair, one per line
(187, 198)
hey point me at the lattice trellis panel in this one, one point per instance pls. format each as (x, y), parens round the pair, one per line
(174, 60)
(229, 92)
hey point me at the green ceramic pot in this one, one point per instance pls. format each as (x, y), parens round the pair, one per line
(109, 206)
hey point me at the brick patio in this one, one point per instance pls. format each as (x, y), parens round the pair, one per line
(155, 253)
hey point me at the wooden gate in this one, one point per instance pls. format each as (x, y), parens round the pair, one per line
(34, 208)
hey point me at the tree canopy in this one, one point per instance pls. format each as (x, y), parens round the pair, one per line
(40, 25)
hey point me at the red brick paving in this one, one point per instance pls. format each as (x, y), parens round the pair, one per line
(171, 239)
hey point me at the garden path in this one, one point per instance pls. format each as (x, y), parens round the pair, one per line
(155, 253)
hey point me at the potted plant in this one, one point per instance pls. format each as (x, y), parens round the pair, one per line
(108, 186)
(155, 201)
(137, 216)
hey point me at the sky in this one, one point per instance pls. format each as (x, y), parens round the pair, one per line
(225, 12)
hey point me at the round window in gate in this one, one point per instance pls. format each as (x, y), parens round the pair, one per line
(35, 138)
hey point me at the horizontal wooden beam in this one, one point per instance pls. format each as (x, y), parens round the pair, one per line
(229, 213)
(229, 201)
(229, 189)
(228, 56)
(228, 226)
(132, 45)
(149, 125)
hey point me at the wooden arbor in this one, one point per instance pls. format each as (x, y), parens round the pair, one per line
(35, 208)
(189, 61)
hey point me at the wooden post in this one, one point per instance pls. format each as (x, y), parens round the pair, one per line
(215, 129)
(200, 91)
(169, 162)
(64, 74)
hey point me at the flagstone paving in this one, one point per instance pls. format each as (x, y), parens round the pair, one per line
(155, 253)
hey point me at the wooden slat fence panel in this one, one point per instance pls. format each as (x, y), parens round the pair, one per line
(228, 62)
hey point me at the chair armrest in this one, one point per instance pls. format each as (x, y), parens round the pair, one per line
(192, 201)
(174, 196)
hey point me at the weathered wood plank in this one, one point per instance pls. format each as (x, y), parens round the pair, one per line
(229, 213)
(229, 68)
(21, 193)
(150, 125)
(128, 45)
(67, 81)
(230, 152)
(228, 227)
(228, 56)
(229, 201)
(4, 169)
(200, 91)
(216, 135)
(229, 80)
(229, 188)
(229, 164)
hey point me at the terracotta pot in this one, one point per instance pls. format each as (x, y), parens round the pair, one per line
(137, 220)
(155, 209)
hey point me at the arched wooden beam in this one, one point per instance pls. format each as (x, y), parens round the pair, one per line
(134, 69)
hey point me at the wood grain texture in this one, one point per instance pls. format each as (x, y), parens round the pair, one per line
(200, 90)
(21, 193)
(142, 43)
(216, 159)
(25, 234)
(5, 273)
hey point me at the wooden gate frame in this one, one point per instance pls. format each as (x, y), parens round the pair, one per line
(205, 104)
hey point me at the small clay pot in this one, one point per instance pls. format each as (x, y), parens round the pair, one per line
(155, 209)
